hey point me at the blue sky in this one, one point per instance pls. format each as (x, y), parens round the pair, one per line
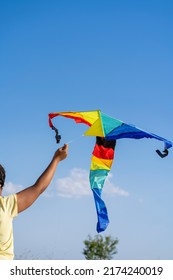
(116, 56)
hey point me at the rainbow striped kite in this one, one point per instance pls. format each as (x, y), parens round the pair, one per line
(107, 131)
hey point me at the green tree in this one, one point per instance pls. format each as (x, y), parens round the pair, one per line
(100, 248)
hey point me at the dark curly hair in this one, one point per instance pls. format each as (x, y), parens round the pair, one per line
(2, 176)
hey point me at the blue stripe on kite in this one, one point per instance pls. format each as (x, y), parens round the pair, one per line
(101, 209)
(129, 131)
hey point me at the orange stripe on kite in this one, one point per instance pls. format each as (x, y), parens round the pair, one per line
(80, 117)
(98, 163)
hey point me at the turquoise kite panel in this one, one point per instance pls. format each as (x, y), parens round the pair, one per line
(109, 123)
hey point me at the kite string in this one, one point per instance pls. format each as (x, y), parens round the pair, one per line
(74, 139)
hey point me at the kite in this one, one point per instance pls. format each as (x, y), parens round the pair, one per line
(107, 131)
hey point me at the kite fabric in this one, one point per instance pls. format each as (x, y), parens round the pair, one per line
(101, 162)
(107, 131)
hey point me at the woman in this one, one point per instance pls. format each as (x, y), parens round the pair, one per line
(12, 205)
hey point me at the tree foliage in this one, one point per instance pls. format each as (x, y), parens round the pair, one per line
(100, 248)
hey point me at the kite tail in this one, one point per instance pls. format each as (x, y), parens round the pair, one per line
(101, 163)
(101, 209)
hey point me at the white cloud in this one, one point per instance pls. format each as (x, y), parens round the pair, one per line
(112, 189)
(77, 184)
(10, 188)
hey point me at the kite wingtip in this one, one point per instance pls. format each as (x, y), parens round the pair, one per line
(57, 136)
(162, 154)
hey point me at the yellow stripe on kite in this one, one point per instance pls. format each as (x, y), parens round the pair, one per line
(97, 163)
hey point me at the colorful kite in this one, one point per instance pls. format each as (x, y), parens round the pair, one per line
(107, 130)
